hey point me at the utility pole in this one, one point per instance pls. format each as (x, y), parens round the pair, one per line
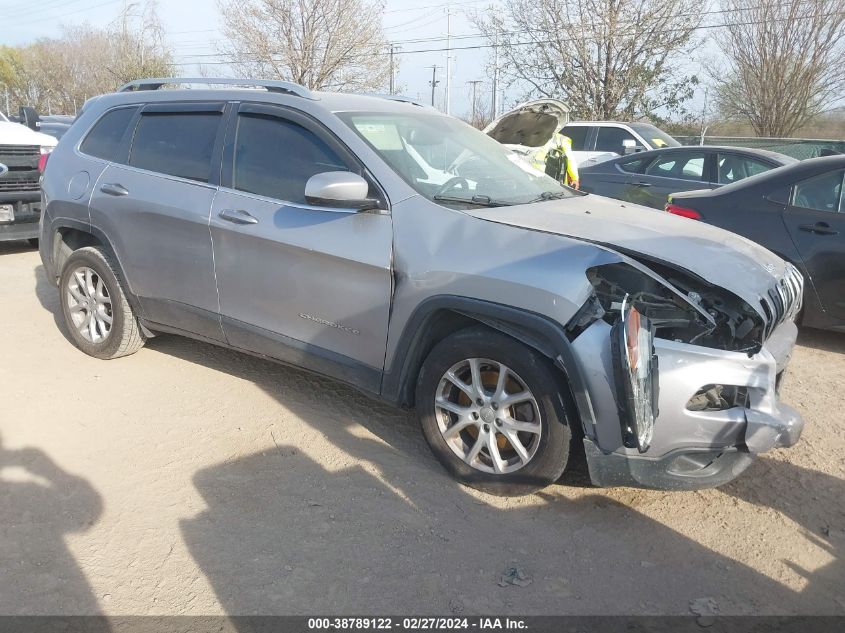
(448, 59)
(392, 71)
(6, 90)
(433, 83)
(496, 77)
(473, 111)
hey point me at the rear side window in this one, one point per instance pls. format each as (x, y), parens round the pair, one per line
(684, 166)
(733, 168)
(611, 139)
(103, 141)
(178, 144)
(578, 134)
(275, 158)
(822, 193)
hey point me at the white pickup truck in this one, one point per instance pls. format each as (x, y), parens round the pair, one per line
(22, 153)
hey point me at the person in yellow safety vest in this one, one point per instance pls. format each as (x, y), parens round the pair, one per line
(555, 159)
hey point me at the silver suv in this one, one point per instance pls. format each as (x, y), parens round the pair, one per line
(378, 242)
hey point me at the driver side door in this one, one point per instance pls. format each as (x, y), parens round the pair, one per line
(303, 284)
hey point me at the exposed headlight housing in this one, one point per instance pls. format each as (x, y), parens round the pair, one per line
(679, 306)
(635, 361)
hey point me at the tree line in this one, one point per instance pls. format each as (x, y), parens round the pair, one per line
(776, 64)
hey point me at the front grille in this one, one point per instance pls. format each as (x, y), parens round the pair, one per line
(22, 164)
(19, 150)
(784, 299)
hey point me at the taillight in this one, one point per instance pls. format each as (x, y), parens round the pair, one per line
(683, 211)
(42, 162)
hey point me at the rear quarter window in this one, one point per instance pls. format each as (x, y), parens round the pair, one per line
(103, 141)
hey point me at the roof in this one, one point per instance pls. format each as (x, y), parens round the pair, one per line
(149, 90)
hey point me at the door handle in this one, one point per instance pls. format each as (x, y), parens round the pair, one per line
(114, 189)
(820, 228)
(238, 216)
(642, 184)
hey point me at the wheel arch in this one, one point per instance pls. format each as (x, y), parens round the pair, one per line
(71, 235)
(440, 316)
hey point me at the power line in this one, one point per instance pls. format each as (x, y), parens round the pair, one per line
(62, 15)
(533, 42)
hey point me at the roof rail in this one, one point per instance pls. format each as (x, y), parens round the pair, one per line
(285, 87)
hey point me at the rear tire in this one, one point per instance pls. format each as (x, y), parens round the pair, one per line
(97, 314)
(524, 407)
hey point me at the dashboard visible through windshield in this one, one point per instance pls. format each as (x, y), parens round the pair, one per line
(452, 163)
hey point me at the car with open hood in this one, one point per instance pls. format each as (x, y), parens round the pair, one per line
(407, 254)
(529, 126)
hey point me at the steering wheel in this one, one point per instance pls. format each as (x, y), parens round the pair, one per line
(453, 183)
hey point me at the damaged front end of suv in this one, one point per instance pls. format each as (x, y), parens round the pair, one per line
(691, 374)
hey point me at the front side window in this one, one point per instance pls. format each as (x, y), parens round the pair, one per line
(103, 140)
(822, 193)
(733, 168)
(450, 162)
(612, 139)
(681, 166)
(275, 157)
(578, 135)
(179, 144)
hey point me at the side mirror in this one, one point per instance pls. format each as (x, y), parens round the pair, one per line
(630, 146)
(340, 190)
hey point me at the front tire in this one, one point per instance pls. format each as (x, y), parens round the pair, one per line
(491, 411)
(96, 312)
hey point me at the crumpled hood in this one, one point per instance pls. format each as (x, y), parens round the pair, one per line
(718, 256)
(17, 134)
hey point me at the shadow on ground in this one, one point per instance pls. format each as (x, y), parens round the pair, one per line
(361, 541)
(824, 340)
(39, 505)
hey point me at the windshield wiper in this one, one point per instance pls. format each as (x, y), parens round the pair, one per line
(481, 201)
(550, 195)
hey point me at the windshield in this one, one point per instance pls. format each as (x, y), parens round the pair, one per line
(450, 162)
(655, 136)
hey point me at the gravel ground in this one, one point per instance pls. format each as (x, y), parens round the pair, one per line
(189, 479)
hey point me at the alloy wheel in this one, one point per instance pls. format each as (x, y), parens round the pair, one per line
(89, 304)
(488, 416)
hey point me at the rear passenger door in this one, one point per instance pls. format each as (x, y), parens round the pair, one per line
(153, 203)
(815, 219)
(300, 283)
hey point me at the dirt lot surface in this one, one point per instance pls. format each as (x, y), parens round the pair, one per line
(188, 479)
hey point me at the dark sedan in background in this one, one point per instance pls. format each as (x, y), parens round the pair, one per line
(648, 178)
(798, 212)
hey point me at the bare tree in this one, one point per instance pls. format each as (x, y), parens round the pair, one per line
(605, 58)
(84, 61)
(321, 44)
(784, 62)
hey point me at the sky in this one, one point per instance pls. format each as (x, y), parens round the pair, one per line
(193, 27)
